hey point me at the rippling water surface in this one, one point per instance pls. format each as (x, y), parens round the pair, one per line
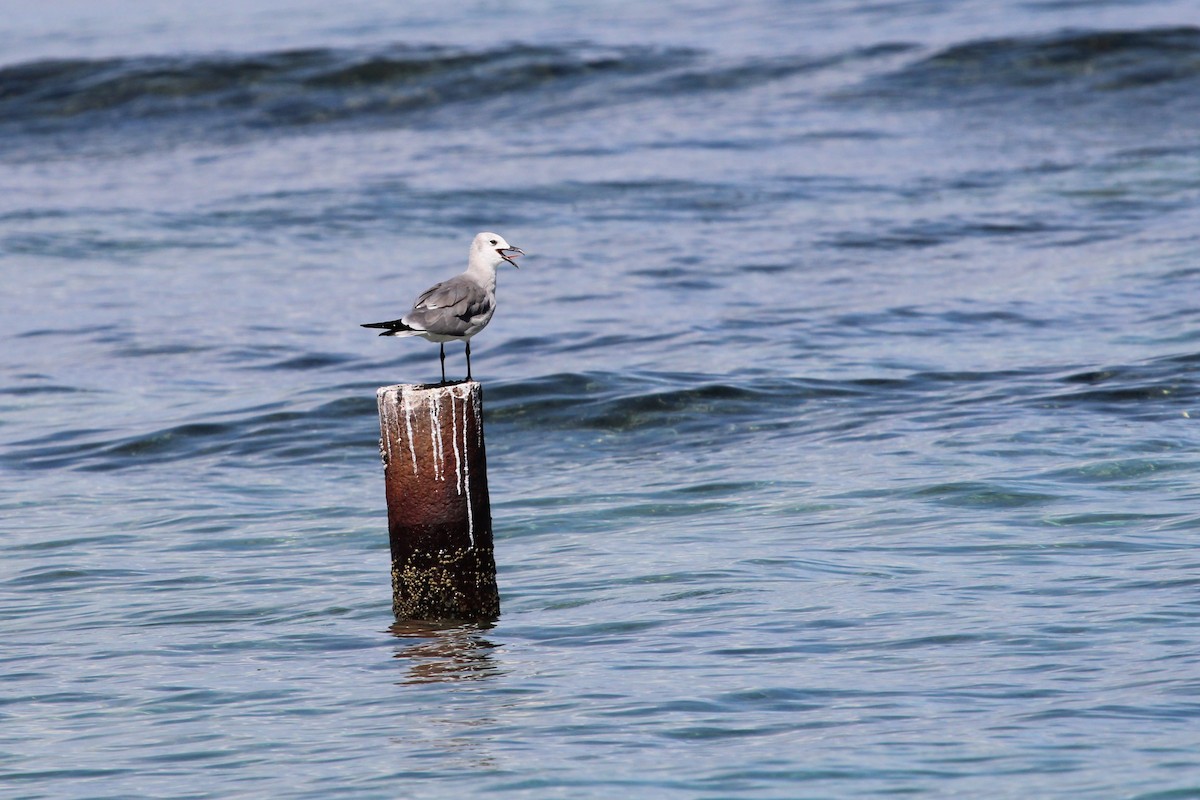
(841, 422)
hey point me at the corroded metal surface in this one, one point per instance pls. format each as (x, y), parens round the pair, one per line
(439, 514)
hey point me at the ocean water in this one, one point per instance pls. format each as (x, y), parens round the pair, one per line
(841, 422)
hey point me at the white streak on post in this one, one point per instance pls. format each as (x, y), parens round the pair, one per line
(458, 457)
(478, 421)
(389, 412)
(467, 473)
(435, 434)
(412, 446)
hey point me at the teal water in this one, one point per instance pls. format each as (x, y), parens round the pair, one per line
(841, 421)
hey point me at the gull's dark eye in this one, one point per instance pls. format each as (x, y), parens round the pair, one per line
(493, 241)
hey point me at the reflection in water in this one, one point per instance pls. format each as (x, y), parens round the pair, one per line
(445, 652)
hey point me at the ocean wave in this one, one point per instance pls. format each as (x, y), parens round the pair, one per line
(1082, 62)
(1163, 387)
(270, 435)
(303, 87)
(685, 403)
(231, 95)
(289, 433)
(745, 74)
(692, 410)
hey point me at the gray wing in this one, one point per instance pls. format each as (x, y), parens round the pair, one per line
(449, 307)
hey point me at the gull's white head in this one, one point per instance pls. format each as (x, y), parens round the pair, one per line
(490, 250)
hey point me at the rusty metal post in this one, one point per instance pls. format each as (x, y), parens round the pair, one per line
(439, 514)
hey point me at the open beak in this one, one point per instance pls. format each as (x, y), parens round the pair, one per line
(509, 253)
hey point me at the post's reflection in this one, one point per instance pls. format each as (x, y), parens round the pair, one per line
(445, 652)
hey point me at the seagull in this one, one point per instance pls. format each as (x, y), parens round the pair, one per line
(461, 307)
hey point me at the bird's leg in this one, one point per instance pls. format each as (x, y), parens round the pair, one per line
(468, 359)
(442, 349)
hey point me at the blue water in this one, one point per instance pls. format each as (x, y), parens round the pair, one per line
(841, 422)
